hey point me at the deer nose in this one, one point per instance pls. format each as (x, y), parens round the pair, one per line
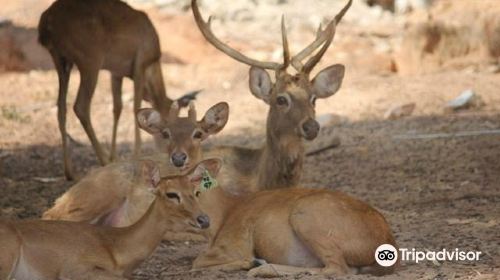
(310, 129)
(203, 221)
(179, 159)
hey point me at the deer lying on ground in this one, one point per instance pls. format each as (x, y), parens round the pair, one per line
(69, 250)
(278, 164)
(115, 194)
(103, 34)
(293, 231)
(291, 100)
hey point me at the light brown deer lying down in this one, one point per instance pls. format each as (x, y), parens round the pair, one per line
(103, 34)
(293, 230)
(117, 194)
(67, 250)
(291, 100)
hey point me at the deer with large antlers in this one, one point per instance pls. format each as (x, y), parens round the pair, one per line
(115, 194)
(68, 250)
(291, 100)
(292, 231)
(103, 34)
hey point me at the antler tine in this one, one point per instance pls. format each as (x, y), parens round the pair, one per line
(174, 111)
(321, 37)
(330, 30)
(297, 59)
(212, 39)
(320, 29)
(192, 111)
(286, 48)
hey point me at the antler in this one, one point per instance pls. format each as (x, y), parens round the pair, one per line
(286, 49)
(212, 39)
(174, 111)
(323, 37)
(192, 111)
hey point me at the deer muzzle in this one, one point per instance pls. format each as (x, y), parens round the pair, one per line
(309, 129)
(203, 221)
(179, 159)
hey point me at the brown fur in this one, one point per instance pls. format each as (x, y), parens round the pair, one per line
(294, 230)
(174, 134)
(69, 250)
(279, 163)
(102, 34)
(120, 189)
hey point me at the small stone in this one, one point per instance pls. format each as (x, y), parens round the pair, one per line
(331, 119)
(465, 100)
(400, 111)
(494, 69)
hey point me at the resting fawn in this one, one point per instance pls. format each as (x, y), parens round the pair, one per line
(116, 194)
(292, 231)
(51, 250)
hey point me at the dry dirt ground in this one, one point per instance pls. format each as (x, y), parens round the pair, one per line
(436, 193)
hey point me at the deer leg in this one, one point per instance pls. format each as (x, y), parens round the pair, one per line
(230, 266)
(230, 255)
(94, 274)
(116, 89)
(277, 270)
(10, 244)
(63, 68)
(319, 239)
(139, 86)
(88, 81)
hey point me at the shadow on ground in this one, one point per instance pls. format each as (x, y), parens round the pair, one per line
(436, 193)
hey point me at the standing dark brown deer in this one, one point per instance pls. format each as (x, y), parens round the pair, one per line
(102, 34)
(291, 100)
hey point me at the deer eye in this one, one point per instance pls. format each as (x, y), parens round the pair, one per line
(313, 100)
(281, 100)
(165, 134)
(197, 134)
(197, 193)
(172, 195)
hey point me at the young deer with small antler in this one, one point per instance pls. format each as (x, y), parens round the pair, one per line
(292, 231)
(115, 194)
(103, 34)
(291, 100)
(67, 250)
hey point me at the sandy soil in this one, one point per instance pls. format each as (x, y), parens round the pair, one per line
(436, 193)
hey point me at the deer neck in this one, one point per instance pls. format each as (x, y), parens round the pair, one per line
(133, 244)
(281, 161)
(217, 204)
(155, 91)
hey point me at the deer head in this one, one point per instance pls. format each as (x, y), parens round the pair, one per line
(181, 137)
(179, 194)
(291, 97)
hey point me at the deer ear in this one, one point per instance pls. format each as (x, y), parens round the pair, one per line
(211, 165)
(151, 174)
(149, 120)
(215, 118)
(260, 83)
(328, 81)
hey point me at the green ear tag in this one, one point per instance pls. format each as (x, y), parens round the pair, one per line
(207, 182)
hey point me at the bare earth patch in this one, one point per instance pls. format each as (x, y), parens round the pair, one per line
(435, 193)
